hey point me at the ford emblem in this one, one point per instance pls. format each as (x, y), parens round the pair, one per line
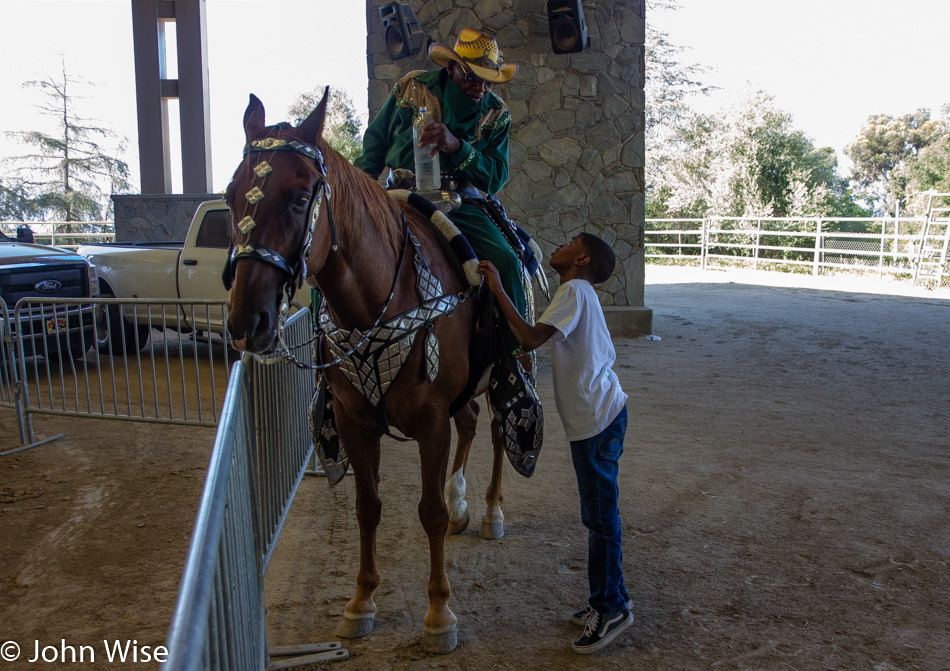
(48, 286)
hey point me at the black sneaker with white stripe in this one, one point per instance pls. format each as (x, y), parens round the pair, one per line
(581, 616)
(602, 629)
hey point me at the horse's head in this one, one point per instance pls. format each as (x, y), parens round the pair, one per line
(275, 197)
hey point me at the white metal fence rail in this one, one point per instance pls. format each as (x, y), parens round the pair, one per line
(260, 454)
(883, 245)
(63, 234)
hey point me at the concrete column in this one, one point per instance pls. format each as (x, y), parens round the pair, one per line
(193, 95)
(153, 90)
(152, 112)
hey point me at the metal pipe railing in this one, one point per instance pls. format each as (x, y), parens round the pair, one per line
(888, 245)
(261, 452)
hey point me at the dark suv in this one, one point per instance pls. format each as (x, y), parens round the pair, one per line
(49, 329)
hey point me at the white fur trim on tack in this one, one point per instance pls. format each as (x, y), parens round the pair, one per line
(540, 276)
(455, 237)
(457, 241)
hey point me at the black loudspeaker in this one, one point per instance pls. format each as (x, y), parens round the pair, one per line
(401, 29)
(567, 26)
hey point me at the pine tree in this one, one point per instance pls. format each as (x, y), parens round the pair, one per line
(70, 172)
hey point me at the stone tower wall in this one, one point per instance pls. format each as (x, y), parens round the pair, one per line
(577, 141)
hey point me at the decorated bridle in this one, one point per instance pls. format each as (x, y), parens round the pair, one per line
(249, 249)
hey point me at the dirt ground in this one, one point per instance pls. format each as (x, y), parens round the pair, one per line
(785, 493)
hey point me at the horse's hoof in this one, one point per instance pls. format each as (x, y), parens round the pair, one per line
(457, 526)
(440, 642)
(355, 626)
(492, 529)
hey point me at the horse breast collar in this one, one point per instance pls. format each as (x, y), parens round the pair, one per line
(379, 354)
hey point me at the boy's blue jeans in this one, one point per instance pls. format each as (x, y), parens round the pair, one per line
(596, 464)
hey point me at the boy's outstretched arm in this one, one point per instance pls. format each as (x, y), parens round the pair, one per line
(530, 337)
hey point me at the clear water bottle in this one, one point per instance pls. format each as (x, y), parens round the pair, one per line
(428, 176)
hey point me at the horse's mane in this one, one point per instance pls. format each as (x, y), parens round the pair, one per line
(358, 200)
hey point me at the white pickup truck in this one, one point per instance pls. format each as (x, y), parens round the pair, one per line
(189, 270)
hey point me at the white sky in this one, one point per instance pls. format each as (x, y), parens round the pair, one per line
(275, 49)
(831, 63)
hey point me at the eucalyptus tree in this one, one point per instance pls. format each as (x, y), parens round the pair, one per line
(749, 160)
(896, 157)
(343, 129)
(670, 86)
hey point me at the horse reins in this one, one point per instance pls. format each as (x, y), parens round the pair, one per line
(366, 336)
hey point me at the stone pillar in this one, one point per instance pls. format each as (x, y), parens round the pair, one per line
(577, 140)
(156, 218)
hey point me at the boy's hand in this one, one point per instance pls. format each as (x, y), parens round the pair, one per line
(490, 273)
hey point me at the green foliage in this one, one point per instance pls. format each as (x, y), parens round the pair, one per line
(670, 85)
(15, 202)
(748, 161)
(342, 129)
(745, 161)
(895, 157)
(69, 175)
(931, 168)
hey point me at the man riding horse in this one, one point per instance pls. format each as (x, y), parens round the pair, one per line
(471, 133)
(396, 319)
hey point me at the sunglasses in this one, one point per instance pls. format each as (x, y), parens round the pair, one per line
(474, 80)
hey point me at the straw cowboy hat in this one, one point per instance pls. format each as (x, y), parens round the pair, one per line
(478, 52)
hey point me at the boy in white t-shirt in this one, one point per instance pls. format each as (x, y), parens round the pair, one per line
(593, 409)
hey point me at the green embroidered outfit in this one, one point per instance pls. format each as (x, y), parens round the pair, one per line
(482, 160)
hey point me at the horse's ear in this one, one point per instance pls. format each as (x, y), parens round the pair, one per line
(253, 116)
(312, 126)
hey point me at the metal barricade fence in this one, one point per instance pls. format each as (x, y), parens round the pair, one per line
(261, 451)
(219, 620)
(281, 394)
(8, 370)
(6, 357)
(128, 359)
(10, 387)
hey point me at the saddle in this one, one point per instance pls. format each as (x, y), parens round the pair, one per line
(512, 396)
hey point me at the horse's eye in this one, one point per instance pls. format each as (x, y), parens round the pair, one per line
(300, 202)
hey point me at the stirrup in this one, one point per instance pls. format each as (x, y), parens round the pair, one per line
(516, 406)
(330, 451)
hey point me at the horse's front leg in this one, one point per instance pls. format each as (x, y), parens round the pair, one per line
(362, 446)
(466, 421)
(441, 628)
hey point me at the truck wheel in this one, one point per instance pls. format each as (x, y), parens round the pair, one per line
(125, 337)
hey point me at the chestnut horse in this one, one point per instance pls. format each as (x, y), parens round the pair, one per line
(302, 211)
